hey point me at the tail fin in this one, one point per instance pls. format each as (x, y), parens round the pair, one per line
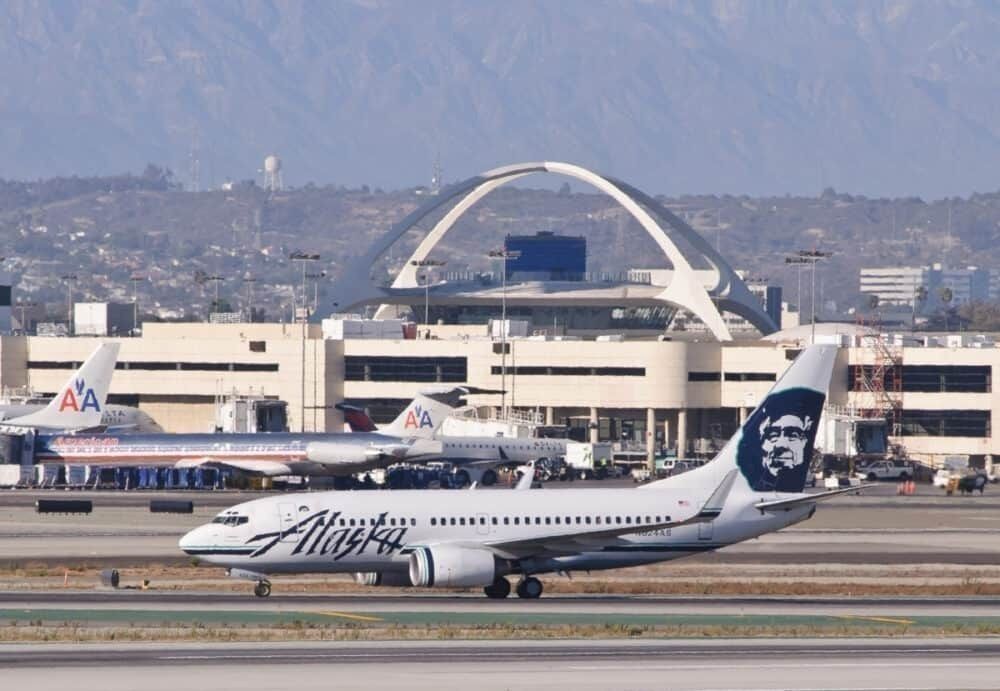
(357, 418)
(427, 412)
(79, 404)
(774, 446)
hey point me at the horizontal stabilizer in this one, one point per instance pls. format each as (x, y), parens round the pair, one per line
(803, 500)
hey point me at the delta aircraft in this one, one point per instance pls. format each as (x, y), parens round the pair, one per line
(476, 456)
(409, 438)
(79, 404)
(754, 486)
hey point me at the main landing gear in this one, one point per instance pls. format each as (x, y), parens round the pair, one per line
(498, 590)
(262, 588)
(529, 588)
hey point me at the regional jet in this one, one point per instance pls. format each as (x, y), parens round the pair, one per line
(477, 456)
(423, 538)
(79, 404)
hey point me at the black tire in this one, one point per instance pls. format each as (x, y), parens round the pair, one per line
(498, 590)
(262, 589)
(530, 588)
(489, 478)
(872, 477)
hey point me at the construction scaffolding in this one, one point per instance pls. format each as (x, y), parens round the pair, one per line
(879, 385)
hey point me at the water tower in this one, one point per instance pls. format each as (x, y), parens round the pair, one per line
(272, 173)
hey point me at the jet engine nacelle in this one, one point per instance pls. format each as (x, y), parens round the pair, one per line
(447, 566)
(334, 453)
(394, 579)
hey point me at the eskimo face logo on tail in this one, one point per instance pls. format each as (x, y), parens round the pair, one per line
(79, 398)
(418, 418)
(777, 442)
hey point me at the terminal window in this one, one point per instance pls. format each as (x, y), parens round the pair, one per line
(946, 423)
(566, 371)
(929, 378)
(419, 369)
(750, 376)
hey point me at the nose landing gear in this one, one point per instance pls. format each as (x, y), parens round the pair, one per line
(262, 588)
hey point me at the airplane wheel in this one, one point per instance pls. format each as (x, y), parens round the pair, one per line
(498, 590)
(489, 478)
(262, 589)
(530, 588)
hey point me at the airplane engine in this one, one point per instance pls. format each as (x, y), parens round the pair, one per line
(384, 578)
(333, 453)
(447, 566)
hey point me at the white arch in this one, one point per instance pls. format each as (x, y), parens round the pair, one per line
(685, 289)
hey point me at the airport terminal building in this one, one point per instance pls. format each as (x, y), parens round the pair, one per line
(631, 382)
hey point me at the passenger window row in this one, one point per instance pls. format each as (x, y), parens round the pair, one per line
(550, 520)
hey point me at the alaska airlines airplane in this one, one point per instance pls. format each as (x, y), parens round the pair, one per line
(409, 438)
(79, 404)
(755, 485)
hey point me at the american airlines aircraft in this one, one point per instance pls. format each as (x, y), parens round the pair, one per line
(477, 538)
(79, 404)
(475, 456)
(114, 419)
(409, 438)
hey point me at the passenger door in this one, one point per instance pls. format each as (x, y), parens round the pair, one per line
(286, 521)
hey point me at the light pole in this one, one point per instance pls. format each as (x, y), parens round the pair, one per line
(23, 306)
(135, 278)
(427, 264)
(503, 254)
(249, 281)
(302, 258)
(216, 279)
(811, 257)
(69, 278)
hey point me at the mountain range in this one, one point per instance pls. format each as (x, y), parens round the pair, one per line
(877, 97)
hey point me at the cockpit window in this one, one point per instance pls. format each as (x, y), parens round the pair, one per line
(231, 520)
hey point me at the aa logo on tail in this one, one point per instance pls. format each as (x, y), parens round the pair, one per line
(418, 418)
(80, 400)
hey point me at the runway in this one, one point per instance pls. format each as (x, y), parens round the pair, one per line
(676, 664)
(442, 605)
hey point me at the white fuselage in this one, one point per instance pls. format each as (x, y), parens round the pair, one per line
(500, 449)
(342, 532)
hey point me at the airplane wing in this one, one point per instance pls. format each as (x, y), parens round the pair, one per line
(527, 478)
(805, 499)
(265, 468)
(582, 541)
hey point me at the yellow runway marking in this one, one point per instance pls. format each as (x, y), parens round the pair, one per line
(345, 615)
(883, 620)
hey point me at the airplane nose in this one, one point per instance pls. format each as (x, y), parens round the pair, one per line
(192, 539)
